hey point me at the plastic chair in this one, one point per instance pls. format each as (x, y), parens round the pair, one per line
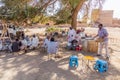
(101, 66)
(73, 62)
(90, 58)
(87, 60)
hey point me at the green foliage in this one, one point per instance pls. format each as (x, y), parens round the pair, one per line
(31, 11)
(74, 3)
(22, 11)
(52, 29)
(40, 19)
(63, 16)
(19, 10)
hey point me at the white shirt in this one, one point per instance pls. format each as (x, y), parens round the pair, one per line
(71, 35)
(29, 42)
(35, 41)
(24, 42)
(10, 30)
(14, 32)
(72, 32)
(0, 45)
(52, 47)
(0, 31)
(46, 42)
(77, 37)
(82, 34)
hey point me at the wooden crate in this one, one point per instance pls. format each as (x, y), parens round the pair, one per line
(84, 45)
(92, 46)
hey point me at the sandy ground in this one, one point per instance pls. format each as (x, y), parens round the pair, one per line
(34, 65)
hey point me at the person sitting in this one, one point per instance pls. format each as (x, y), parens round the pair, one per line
(77, 37)
(71, 34)
(22, 34)
(52, 47)
(82, 33)
(55, 34)
(71, 38)
(74, 44)
(10, 31)
(28, 41)
(1, 45)
(63, 33)
(24, 44)
(34, 42)
(1, 28)
(27, 38)
(15, 46)
(46, 41)
(8, 44)
(14, 31)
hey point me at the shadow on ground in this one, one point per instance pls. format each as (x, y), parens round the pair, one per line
(35, 66)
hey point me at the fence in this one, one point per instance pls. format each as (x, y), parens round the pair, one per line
(114, 34)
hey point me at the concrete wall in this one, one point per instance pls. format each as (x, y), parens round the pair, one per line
(106, 17)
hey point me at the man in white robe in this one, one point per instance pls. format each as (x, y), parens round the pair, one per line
(24, 44)
(71, 34)
(1, 44)
(52, 47)
(46, 41)
(82, 33)
(34, 42)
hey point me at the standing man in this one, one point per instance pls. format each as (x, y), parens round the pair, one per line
(103, 35)
(71, 34)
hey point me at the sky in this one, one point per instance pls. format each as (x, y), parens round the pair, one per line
(113, 5)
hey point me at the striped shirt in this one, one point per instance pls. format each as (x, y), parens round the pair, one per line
(103, 33)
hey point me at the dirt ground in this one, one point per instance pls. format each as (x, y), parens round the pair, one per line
(34, 65)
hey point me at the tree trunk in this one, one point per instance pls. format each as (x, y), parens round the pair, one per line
(75, 13)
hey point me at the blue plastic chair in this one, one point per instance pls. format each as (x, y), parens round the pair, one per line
(101, 66)
(73, 62)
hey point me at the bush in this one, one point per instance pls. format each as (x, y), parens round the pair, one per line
(52, 29)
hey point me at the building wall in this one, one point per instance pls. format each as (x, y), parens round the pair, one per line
(106, 17)
(95, 15)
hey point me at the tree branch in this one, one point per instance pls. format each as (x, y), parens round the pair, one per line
(46, 4)
(53, 2)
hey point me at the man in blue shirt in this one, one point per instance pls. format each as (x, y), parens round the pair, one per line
(102, 34)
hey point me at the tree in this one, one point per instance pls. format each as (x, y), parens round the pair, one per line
(28, 9)
(14, 9)
(23, 10)
(71, 8)
(75, 13)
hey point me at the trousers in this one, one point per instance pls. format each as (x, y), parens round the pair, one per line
(103, 45)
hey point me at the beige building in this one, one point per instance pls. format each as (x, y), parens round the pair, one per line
(105, 17)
